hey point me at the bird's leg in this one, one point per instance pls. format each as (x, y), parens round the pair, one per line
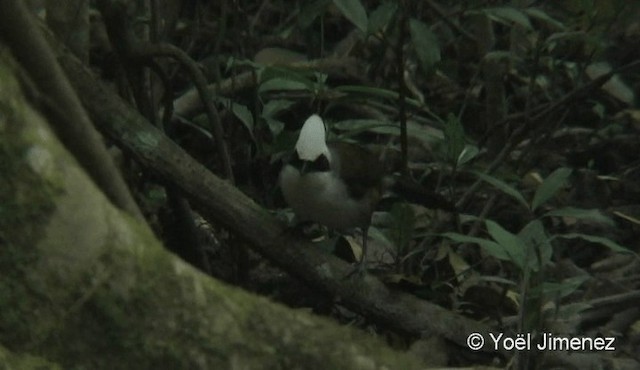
(361, 267)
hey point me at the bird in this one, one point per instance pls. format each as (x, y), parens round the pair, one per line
(336, 184)
(339, 184)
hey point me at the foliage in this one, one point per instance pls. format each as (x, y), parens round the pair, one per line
(504, 115)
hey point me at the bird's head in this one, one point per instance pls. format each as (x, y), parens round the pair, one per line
(311, 147)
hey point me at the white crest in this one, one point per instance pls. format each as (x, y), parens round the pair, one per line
(312, 140)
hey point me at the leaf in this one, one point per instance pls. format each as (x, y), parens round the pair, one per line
(425, 45)
(274, 107)
(509, 242)
(598, 240)
(311, 11)
(353, 11)
(286, 79)
(281, 84)
(457, 263)
(377, 92)
(381, 17)
(453, 138)
(269, 112)
(539, 249)
(468, 153)
(275, 126)
(244, 115)
(575, 36)
(507, 15)
(374, 91)
(241, 112)
(489, 246)
(615, 86)
(402, 227)
(581, 214)
(352, 127)
(543, 16)
(564, 288)
(502, 186)
(550, 186)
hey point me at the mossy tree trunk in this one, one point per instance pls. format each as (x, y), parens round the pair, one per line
(86, 286)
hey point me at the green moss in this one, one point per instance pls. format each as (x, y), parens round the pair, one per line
(9, 360)
(25, 202)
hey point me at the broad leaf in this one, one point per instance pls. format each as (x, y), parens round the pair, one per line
(564, 288)
(281, 84)
(311, 11)
(597, 239)
(354, 11)
(539, 249)
(468, 153)
(502, 186)
(454, 138)
(544, 17)
(581, 214)
(352, 127)
(425, 45)
(274, 107)
(550, 186)
(489, 246)
(509, 242)
(508, 15)
(381, 16)
(241, 112)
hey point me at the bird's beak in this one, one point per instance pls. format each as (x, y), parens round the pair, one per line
(303, 168)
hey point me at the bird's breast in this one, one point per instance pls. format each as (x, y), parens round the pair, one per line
(324, 198)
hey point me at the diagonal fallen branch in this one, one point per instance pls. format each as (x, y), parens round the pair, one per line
(224, 204)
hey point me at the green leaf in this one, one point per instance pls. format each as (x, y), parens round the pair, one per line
(468, 153)
(352, 127)
(274, 107)
(543, 16)
(550, 186)
(244, 115)
(241, 112)
(354, 11)
(509, 242)
(453, 138)
(285, 79)
(575, 36)
(377, 92)
(502, 186)
(311, 11)
(539, 249)
(281, 84)
(597, 239)
(402, 226)
(508, 15)
(581, 214)
(425, 45)
(269, 112)
(374, 91)
(275, 126)
(560, 290)
(489, 246)
(381, 16)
